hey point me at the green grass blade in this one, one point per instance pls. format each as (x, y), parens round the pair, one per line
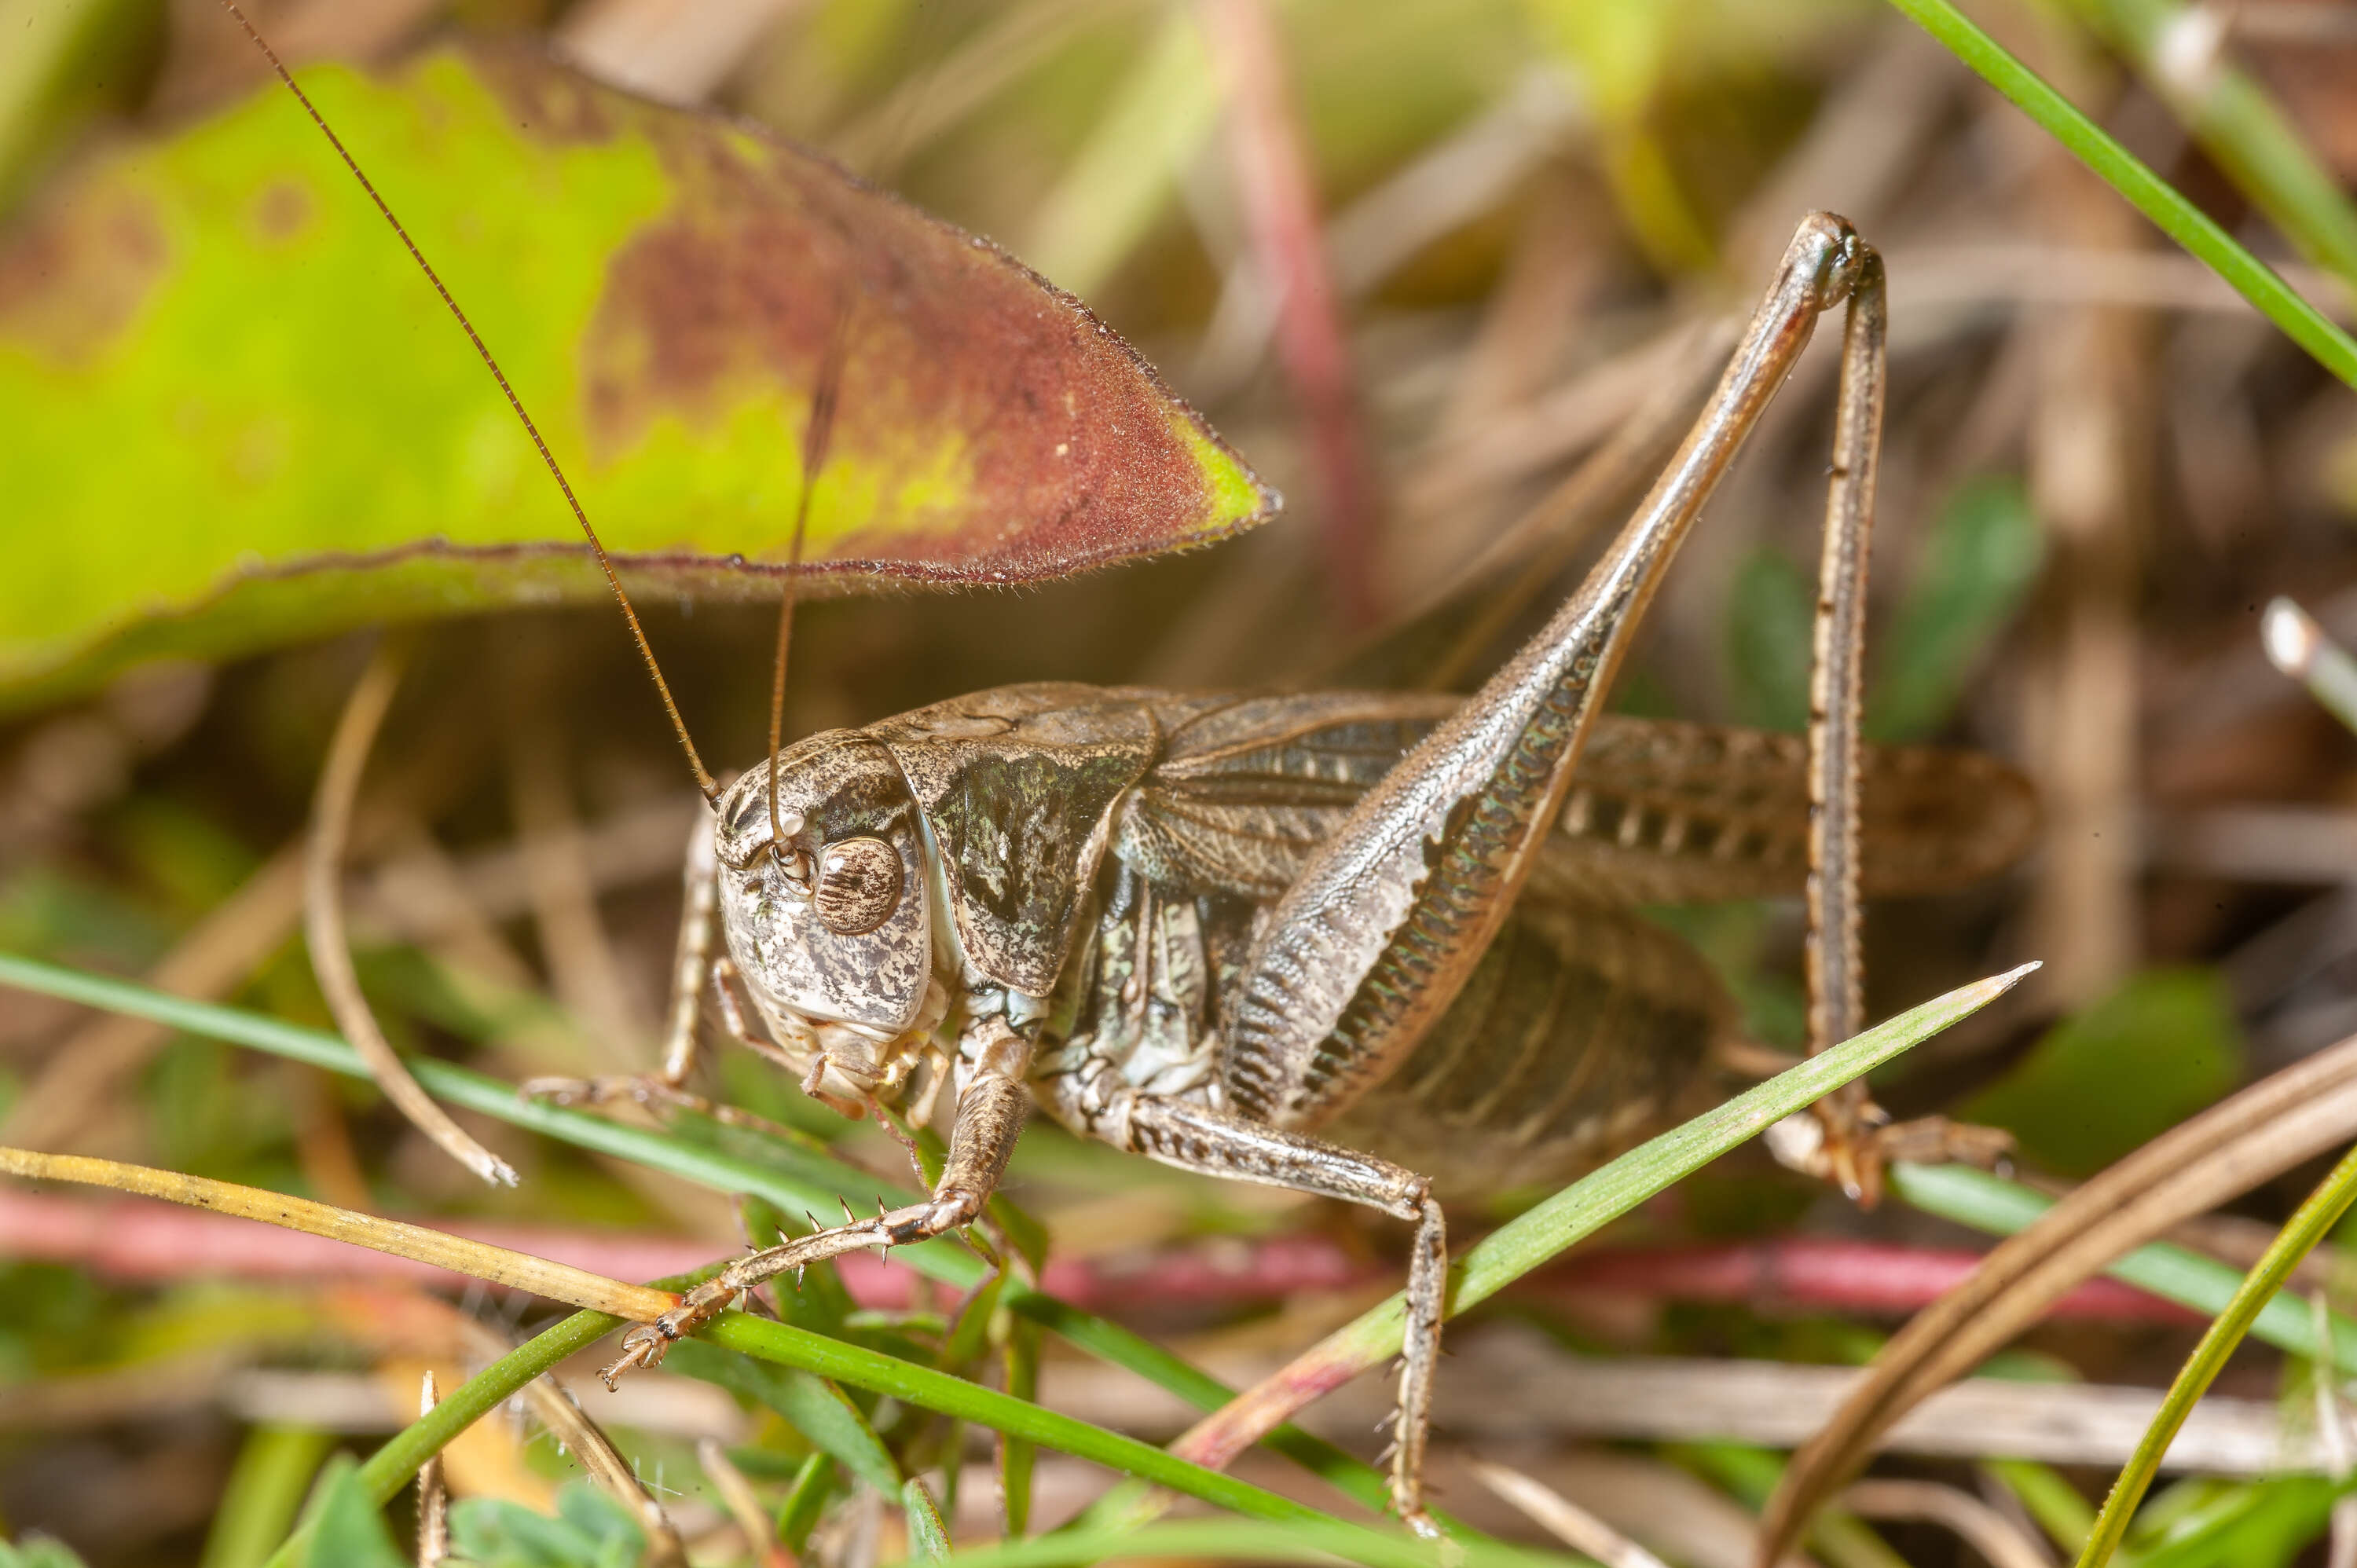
(2146, 191)
(1017, 1460)
(790, 1347)
(391, 1466)
(2306, 1228)
(2301, 650)
(812, 1406)
(2239, 126)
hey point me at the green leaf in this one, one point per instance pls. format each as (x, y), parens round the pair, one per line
(1978, 562)
(347, 1530)
(589, 1530)
(39, 1551)
(2204, 1523)
(2119, 1072)
(238, 415)
(929, 1538)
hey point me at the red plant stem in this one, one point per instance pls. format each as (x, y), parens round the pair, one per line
(1805, 1273)
(139, 1238)
(1280, 207)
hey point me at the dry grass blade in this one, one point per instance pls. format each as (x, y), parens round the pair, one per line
(519, 1271)
(1548, 538)
(2225, 1150)
(433, 1496)
(1984, 1528)
(588, 1443)
(744, 1506)
(1570, 1523)
(323, 915)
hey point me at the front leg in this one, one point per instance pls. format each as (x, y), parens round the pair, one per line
(1215, 1142)
(692, 967)
(993, 1061)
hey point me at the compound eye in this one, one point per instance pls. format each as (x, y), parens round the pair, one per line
(858, 886)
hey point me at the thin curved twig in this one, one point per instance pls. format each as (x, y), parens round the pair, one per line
(1982, 1528)
(1565, 1520)
(323, 915)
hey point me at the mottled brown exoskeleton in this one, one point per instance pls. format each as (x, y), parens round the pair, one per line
(1376, 947)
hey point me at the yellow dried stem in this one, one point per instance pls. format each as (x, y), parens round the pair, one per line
(519, 1271)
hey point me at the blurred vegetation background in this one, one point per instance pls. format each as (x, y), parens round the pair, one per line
(1507, 235)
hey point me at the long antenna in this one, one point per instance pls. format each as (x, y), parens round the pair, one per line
(816, 435)
(597, 547)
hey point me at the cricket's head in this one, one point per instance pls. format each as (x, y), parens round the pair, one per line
(830, 925)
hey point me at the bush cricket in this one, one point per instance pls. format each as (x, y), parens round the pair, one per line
(1369, 946)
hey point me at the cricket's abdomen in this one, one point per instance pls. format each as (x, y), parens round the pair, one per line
(1581, 1031)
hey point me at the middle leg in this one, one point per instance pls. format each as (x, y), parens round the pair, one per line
(1216, 1143)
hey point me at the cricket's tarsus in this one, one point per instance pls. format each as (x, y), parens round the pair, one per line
(703, 779)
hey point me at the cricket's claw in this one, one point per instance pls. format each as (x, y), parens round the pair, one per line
(650, 1090)
(1851, 1143)
(641, 1347)
(643, 1087)
(1936, 1141)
